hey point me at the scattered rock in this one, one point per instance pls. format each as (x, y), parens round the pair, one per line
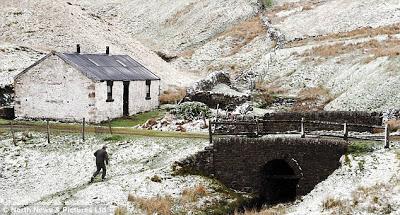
(156, 178)
(150, 123)
(180, 128)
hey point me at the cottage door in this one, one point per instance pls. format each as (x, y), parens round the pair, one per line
(126, 98)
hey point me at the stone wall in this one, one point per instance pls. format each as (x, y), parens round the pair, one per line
(238, 162)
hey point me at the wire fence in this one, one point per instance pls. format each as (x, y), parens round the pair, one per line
(83, 128)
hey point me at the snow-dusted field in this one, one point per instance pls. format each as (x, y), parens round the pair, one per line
(35, 173)
(38, 176)
(365, 184)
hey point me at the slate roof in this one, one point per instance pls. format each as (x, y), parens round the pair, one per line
(102, 67)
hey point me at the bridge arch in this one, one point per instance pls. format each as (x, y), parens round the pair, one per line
(279, 181)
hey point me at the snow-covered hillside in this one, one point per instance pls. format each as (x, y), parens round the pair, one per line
(348, 48)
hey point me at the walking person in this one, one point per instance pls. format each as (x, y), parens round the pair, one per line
(101, 157)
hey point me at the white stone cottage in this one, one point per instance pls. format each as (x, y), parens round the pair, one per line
(73, 86)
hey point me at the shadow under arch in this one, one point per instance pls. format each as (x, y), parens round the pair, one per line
(279, 182)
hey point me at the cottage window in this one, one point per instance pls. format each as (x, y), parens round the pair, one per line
(109, 91)
(148, 83)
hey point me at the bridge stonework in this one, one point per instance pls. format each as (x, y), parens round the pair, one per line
(239, 162)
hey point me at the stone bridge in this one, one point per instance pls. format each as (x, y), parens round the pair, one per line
(274, 169)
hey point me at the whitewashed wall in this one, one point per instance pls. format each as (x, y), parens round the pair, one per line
(53, 89)
(137, 99)
(109, 109)
(137, 96)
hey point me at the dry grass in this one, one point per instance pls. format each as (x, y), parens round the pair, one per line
(354, 34)
(397, 152)
(120, 211)
(187, 53)
(328, 50)
(313, 93)
(172, 96)
(193, 194)
(394, 124)
(371, 194)
(159, 205)
(267, 93)
(373, 197)
(244, 32)
(174, 19)
(306, 5)
(332, 203)
(373, 48)
(312, 99)
(279, 209)
(262, 86)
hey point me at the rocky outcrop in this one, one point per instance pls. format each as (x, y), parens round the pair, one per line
(208, 83)
(215, 91)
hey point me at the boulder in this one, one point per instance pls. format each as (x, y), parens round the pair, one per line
(220, 100)
(180, 128)
(243, 109)
(150, 123)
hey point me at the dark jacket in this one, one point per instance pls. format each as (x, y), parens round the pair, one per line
(101, 156)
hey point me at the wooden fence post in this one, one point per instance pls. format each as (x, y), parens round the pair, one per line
(12, 132)
(303, 132)
(345, 131)
(83, 129)
(387, 132)
(217, 112)
(48, 130)
(209, 130)
(257, 129)
(109, 124)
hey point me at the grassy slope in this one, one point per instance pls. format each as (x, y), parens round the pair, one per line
(136, 119)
